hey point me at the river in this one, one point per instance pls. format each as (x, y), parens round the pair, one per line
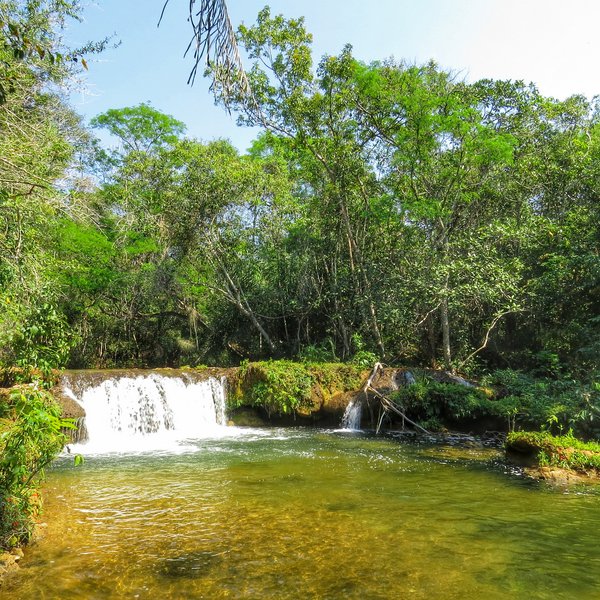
(298, 513)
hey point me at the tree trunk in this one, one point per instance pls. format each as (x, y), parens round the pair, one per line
(446, 334)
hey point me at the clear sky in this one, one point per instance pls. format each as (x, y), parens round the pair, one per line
(552, 43)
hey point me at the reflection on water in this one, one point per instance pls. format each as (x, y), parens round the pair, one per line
(301, 514)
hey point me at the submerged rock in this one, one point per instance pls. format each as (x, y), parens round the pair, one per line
(194, 565)
(562, 477)
(9, 563)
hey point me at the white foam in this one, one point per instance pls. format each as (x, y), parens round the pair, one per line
(143, 413)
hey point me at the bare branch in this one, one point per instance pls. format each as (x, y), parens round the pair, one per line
(486, 339)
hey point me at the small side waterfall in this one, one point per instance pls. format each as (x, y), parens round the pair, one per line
(150, 410)
(352, 415)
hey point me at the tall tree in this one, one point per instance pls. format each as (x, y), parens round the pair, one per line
(38, 137)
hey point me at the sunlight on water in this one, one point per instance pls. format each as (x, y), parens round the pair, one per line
(309, 514)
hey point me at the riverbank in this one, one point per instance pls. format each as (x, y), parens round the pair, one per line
(560, 459)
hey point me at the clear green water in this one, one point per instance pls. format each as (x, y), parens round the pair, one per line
(310, 514)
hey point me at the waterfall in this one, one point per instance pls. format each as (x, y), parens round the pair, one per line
(130, 412)
(352, 415)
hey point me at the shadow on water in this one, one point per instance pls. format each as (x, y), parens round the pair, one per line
(193, 565)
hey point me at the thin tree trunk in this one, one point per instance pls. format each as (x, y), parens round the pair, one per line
(234, 294)
(431, 339)
(356, 254)
(446, 334)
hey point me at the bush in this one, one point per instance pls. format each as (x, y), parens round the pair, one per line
(553, 404)
(283, 387)
(40, 341)
(31, 435)
(433, 402)
(565, 451)
(324, 352)
(280, 387)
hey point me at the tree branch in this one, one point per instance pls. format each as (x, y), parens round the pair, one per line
(486, 339)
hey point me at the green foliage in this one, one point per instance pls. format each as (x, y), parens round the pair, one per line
(332, 378)
(283, 387)
(41, 341)
(565, 451)
(387, 211)
(280, 387)
(313, 353)
(362, 357)
(555, 405)
(518, 399)
(31, 435)
(140, 128)
(433, 402)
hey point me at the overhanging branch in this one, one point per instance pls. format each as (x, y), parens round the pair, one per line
(214, 41)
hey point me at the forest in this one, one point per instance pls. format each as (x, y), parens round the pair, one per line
(391, 209)
(387, 212)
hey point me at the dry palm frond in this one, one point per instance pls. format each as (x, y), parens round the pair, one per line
(214, 41)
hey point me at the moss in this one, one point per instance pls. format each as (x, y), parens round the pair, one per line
(283, 387)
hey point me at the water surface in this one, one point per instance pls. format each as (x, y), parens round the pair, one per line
(309, 514)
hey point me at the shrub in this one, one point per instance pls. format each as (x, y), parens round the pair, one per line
(553, 404)
(280, 387)
(31, 435)
(283, 387)
(428, 400)
(565, 451)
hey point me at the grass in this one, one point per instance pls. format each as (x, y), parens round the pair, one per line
(564, 451)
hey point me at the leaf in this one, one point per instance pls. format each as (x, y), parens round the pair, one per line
(84, 63)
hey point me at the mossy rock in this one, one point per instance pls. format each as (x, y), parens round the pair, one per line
(247, 417)
(563, 452)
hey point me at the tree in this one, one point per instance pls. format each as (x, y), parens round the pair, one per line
(38, 138)
(222, 212)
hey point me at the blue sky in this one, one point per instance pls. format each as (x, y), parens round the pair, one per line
(552, 43)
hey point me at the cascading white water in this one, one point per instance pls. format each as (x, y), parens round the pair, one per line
(352, 415)
(149, 411)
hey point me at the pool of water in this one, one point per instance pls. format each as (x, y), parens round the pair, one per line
(309, 514)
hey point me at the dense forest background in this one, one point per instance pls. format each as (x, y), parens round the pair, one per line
(387, 210)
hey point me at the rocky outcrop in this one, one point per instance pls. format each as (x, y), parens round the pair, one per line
(334, 388)
(563, 477)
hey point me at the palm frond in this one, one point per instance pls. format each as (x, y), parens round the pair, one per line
(214, 43)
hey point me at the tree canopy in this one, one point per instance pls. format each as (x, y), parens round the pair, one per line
(388, 208)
